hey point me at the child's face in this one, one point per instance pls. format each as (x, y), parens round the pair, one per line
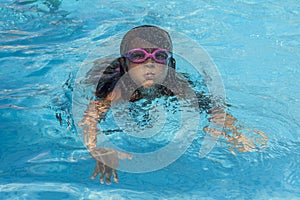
(147, 73)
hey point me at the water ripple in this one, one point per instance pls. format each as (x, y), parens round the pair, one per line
(23, 24)
(52, 190)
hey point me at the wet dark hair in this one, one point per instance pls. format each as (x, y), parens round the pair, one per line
(146, 36)
(110, 76)
(116, 69)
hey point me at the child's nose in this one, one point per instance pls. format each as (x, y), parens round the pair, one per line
(149, 63)
(149, 60)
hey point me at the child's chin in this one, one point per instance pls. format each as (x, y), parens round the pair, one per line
(148, 84)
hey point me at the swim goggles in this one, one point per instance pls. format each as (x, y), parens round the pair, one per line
(139, 55)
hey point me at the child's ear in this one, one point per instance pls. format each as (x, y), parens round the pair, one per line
(172, 63)
(123, 64)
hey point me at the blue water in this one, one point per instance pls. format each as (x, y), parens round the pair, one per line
(255, 45)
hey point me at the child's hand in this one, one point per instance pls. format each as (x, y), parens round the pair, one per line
(105, 171)
(107, 160)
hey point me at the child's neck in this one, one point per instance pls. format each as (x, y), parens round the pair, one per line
(150, 92)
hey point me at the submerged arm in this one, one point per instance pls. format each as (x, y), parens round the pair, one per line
(244, 139)
(93, 114)
(106, 159)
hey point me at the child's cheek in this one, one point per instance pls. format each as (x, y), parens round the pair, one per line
(137, 76)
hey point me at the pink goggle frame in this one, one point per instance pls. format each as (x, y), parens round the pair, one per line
(140, 55)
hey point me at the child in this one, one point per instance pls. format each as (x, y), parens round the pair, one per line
(145, 70)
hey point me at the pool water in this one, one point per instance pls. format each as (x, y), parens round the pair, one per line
(255, 45)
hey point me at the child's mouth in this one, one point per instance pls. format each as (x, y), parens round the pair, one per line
(149, 76)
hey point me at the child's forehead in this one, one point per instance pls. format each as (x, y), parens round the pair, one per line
(146, 37)
(140, 43)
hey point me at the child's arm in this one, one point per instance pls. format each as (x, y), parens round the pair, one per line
(92, 115)
(96, 111)
(106, 159)
(241, 138)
